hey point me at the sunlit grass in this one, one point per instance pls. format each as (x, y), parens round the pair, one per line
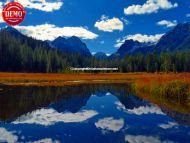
(172, 94)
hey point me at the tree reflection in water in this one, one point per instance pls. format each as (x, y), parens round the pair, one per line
(16, 101)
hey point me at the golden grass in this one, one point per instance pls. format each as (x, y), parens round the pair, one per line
(40, 79)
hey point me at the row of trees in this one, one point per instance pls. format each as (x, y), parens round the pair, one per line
(152, 62)
(164, 62)
(29, 55)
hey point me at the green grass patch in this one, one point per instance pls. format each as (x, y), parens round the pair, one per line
(173, 91)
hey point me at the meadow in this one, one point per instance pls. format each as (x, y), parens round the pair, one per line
(41, 79)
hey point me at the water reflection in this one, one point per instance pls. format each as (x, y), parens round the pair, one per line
(49, 117)
(88, 114)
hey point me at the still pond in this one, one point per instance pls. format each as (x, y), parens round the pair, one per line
(102, 113)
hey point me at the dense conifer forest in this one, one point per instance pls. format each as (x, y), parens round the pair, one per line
(22, 54)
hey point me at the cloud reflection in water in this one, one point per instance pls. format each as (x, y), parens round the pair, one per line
(48, 117)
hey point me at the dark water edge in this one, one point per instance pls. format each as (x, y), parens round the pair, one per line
(87, 113)
(19, 100)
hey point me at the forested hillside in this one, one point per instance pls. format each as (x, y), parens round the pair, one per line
(19, 53)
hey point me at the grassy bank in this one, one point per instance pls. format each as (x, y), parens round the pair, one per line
(173, 94)
(143, 79)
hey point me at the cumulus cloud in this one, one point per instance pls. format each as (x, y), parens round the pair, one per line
(146, 110)
(46, 140)
(139, 37)
(50, 32)
(145, 38)
(42, 5)
(6, 136)
(167, 23)
(1, 8)
(144, 139)
(118, 44)
(110, 124)
(151, 6)
(48, 117)
(168, 125)
(109, 25)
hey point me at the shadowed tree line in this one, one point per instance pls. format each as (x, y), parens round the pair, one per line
(153, 62)
(18, 54)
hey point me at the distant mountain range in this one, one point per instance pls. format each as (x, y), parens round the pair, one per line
(100, 56)
(132, 47)
(22, 38)
(175, 40)
(72, 45)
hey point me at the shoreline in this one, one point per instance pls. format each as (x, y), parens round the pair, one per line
(40, 79)
(64, 83)
(153, 87)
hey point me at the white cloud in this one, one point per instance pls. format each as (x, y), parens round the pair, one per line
(188, 15)
(48, 117)
(120, 106)
(139, 37)
(144, 139)
(151, 6)
(146, 110)
(47, 140)
(167, 23)
(1, 19)
(1, 8)
(42, 4)
(145, 38)
(36, 4)
(119, 42)
(140, 110)
(168, 125)
(110, 124)
(6, 136)
(109, 25)
(50, 32)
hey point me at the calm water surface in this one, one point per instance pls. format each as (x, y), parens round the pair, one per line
(87, 114)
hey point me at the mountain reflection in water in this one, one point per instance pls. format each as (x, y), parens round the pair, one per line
(96, 113)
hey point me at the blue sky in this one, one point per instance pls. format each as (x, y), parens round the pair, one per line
(102, 24)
